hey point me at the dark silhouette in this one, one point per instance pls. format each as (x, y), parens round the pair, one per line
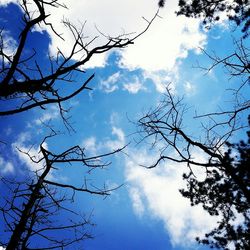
(237, 66)
(23, 81)
(161, 3)
(238, 11)
(34, 209)
(225, 191)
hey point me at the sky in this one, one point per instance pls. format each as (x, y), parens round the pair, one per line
(147, 212)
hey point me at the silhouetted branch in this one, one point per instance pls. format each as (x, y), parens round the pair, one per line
(237, 66)
(40, 202)
(32, 87)
(226, 188)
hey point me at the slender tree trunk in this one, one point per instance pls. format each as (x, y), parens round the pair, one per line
(21, 226)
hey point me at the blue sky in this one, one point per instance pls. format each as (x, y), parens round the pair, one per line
(147, 212)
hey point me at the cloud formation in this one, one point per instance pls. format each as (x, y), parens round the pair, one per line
(29, 154)
(111, 143)
(47, 116)
(155, 192)
(118, 81)
(134, 86)
(168, 39)
(9, 45)
(111, 83)
(6, 167)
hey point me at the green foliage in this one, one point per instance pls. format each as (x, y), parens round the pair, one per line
(236, 10)
(221, 195)
(161, 3)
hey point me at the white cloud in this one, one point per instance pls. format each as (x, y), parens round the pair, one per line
(8, 131)
(136, 197)
(119, 140)
(28, 154)
(119, 133)
(114, 119)
(9, 44)
(111, 84)
(31, 156)
(90, 145)
(134, 87)
(6, 167)
(189, 88)
(50, 114)
(111, 143)
(161, 79)
(156, 192)
(5, 2)
(168, 39)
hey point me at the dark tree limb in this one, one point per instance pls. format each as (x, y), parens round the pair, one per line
(40, 200)
(41, 88)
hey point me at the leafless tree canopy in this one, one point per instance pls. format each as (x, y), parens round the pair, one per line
(31, 210)
(237, 66)
(166, 123)
(226, 188)
(23, 81)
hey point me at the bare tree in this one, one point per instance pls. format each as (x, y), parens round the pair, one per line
(237, 66)
(32, 209)
(167, 120)
(31, 212)
(24, 83)
(226, 188)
